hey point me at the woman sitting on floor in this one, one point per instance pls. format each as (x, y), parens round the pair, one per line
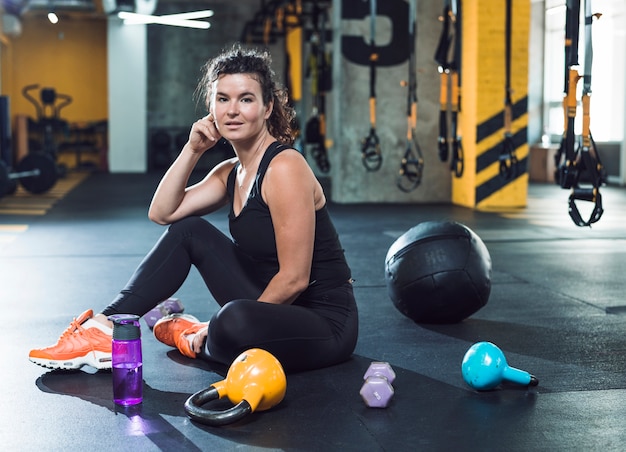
(282, 282)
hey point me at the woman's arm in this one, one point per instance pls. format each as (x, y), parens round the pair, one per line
(173, 200)
(292, 193)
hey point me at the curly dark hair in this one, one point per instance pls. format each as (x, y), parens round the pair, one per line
(257, 63)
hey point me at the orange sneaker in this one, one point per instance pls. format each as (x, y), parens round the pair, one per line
(84, 342)
(173, 329)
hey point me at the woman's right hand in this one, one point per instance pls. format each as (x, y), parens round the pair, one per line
(203, 135)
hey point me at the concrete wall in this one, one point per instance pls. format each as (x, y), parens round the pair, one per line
(351, 182)
(127, 78)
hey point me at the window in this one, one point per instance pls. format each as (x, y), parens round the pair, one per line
(607, 76)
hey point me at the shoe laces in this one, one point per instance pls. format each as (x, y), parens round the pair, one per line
(74, 328)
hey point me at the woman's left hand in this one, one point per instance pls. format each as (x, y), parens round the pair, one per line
(198, 339)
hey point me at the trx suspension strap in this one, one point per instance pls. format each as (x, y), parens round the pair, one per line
(563, 173)
(457, 158)
(370, 149)
(412, 165)
(441, 57)
(575, 161)
(589, 155)
(450, 85)
(287, 23)
(320, 84)
(508, 159)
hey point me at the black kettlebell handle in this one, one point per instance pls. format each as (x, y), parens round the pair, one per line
(193, 408)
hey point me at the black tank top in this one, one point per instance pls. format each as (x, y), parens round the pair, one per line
(253, 232)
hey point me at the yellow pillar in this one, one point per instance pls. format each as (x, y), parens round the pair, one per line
(481, 121)
(293, 45)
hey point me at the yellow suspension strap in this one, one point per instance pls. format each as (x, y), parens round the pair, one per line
(412, 165)
(370, 149)
(565, 158)
(457, 161)
(448, 58)
(508, 158)
(260, 29)
(441, 57)
(280, 19)
(320, 84)
(578, 166)
(289, 26)
(267, 29)
(590, 166)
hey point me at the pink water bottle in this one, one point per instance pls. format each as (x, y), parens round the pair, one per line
(126, 360)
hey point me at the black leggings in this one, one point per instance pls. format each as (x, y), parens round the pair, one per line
(311, 333)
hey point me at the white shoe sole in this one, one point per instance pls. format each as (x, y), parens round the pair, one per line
(97, 360)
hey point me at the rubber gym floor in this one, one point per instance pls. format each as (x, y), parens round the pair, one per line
(556, 309)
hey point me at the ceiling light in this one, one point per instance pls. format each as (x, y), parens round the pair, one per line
(52, 17)
(179, 20)
(192, 15)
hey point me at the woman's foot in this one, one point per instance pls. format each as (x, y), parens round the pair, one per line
(181, 331)
(85, 342)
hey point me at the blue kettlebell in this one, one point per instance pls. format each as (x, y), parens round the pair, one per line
(484, 367)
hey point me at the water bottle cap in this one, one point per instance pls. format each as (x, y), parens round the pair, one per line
(125, 327)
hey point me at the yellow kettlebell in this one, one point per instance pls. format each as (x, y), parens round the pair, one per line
(255, 381)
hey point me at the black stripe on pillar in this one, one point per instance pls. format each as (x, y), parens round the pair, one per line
(496, 183)
(492, 155)
(496, 122)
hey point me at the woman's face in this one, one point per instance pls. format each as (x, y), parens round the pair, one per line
(237, 106)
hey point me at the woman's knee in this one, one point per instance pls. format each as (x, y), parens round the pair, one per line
(187, 225)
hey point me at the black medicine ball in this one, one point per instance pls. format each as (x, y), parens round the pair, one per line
(438, 272)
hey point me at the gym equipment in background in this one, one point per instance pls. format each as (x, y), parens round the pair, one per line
(255, 382)
(448, 58)
(37, 173)
(412, 164)
(578, 165)
(371, 155)
(484, 367)
(508, 158)
(438, 272)
(321, 83)
(44, 132)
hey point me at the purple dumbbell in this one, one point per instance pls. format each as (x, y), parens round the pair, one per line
(166, 307)
(377, 390)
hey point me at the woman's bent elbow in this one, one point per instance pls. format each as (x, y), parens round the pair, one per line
(156, 218)
(301, 285)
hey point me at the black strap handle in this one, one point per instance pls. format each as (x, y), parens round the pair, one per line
(370, 151)
(193, 408)
(585, 194)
